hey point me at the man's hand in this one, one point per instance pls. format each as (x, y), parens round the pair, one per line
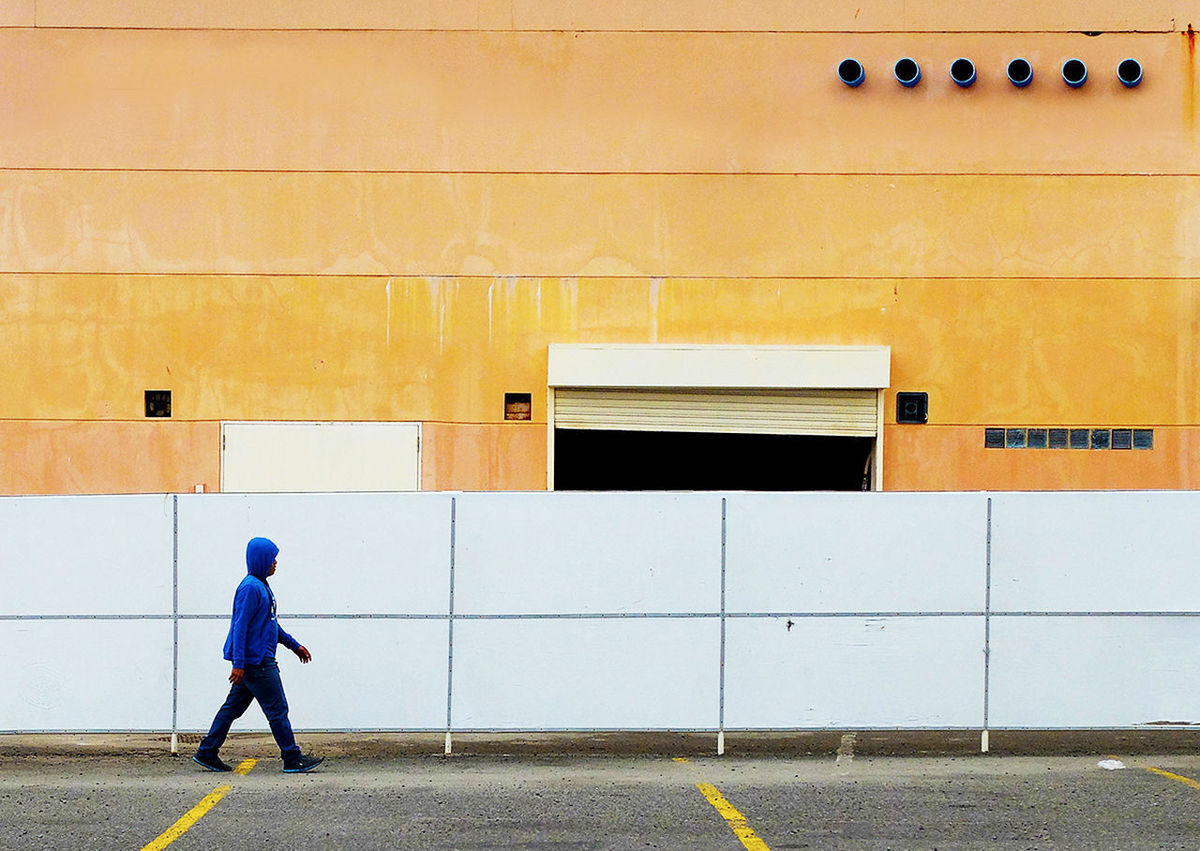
(302, 652)
(235, 676)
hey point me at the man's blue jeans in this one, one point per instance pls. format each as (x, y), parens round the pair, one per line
(261, 683)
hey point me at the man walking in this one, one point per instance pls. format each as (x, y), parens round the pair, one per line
(253, 635)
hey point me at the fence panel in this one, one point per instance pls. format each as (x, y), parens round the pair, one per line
(573, 553)
(862, 552)
(1095, 552)
(586, 674)
(338, 553)
(1092, 555)
(365, 674)
(605, 611)
(105, 555)
(1093, 672)
(85, 675)
(853, 672)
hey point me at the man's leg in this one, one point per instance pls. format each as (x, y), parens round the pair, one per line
(264, 682)
(235, 705)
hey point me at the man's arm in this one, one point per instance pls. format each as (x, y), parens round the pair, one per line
(295, 646)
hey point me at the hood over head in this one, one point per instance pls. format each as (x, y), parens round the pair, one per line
(260, 553)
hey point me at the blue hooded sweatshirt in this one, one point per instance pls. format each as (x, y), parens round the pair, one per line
(254, 631)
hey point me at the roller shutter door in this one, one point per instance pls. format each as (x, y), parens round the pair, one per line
(844, 413)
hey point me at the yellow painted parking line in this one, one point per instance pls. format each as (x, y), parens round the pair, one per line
(189, 818)
(197, 812)
(735, 820)
(1186, 781)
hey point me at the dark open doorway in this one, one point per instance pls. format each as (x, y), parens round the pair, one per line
(586, 459)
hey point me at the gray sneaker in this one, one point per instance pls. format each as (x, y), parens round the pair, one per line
(301, 764)
(210, 761)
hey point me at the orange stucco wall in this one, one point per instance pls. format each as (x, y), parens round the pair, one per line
(989, 351)
(388, 211)
(953, 458)
(604, 15)
(450, 103)
(484, 457)
(112, 456)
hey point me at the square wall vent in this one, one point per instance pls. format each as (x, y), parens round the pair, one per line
(912, 408)
(158, 403)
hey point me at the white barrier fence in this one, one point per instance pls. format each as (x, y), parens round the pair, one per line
(573, 611)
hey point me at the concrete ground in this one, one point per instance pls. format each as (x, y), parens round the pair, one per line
(867, 790)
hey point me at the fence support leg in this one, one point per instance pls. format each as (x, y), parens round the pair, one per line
(983, 742)
(720, 743)
(448, 743)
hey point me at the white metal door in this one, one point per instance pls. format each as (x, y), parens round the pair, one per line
(274, 457)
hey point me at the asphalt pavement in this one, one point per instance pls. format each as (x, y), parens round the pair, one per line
(865, 790)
